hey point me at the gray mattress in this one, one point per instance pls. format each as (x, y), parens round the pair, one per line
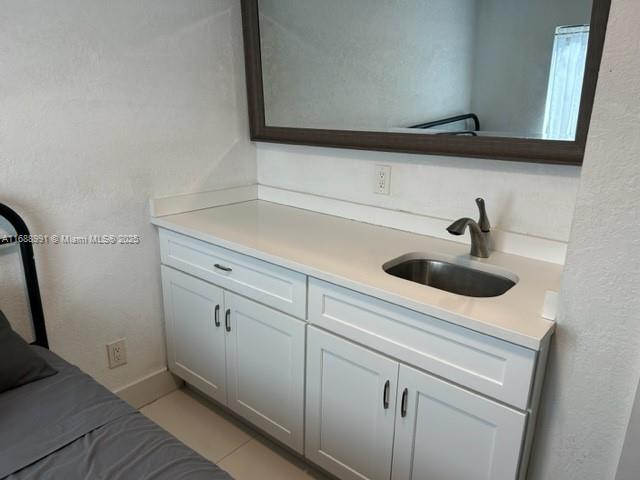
(70, 427)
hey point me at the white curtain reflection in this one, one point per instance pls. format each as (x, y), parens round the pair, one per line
(565, 82)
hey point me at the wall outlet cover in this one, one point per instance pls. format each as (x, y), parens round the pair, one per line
(117, 353)
(382, 179)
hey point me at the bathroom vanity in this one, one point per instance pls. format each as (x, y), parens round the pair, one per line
(288, 318)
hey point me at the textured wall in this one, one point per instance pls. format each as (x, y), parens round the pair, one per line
(104, 104)
(595, 364)
(364, 64)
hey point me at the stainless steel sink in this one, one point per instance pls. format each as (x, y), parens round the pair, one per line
(451, 277)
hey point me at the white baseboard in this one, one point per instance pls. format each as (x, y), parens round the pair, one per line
(149, 388)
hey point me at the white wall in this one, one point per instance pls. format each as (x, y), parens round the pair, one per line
(531, 199)
(104, 104)
(514, 45)
(366, 65)
(595, 365)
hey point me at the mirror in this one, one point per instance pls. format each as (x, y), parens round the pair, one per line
(443, 75)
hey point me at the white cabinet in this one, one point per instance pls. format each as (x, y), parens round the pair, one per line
(356, 400)
(444, 432)
(367, 414)
(242, 354)
(265, 353)
(195, 337)
(351, 405)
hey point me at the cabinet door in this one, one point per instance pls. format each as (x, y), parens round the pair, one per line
(195, 339)
(265, 358)
(444, 432)
(350, 408)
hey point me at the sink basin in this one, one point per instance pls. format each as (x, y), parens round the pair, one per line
(451, 277)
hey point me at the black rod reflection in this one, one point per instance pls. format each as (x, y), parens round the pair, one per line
(446, 121)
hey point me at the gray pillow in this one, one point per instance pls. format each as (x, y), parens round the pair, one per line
(19, 363)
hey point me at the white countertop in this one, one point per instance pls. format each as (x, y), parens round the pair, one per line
(351, 254)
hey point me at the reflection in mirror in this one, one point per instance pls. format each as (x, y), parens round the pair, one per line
(511, 68)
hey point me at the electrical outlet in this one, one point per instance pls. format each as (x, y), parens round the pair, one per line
(117, 352)
(382, 180)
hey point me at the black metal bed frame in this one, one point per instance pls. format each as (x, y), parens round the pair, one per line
(30, 275)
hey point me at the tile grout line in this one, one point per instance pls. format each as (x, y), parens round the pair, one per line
(217, 462)
(222, 415)
(302, 465)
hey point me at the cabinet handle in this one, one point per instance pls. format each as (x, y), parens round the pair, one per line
(403, 406)
(227, 320)
(223, 268)
(217, 315)
(385, 395)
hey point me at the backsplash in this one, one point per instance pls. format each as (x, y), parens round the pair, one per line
(529, 200)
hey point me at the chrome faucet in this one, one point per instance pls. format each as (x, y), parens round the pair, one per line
(480, 231)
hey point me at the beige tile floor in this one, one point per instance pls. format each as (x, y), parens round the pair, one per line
(217, 436)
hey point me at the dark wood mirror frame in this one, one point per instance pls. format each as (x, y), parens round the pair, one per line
(515, 149)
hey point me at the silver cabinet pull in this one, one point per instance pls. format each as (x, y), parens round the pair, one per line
(217, 315)
(403, 407)
(385, 395)
(227, 320)
(223, 268)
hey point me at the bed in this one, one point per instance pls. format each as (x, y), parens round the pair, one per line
(67, 426)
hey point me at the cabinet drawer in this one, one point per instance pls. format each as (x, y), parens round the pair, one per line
(264, 282)
(482, 363)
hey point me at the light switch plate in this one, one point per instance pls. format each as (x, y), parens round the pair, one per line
(117, 353)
